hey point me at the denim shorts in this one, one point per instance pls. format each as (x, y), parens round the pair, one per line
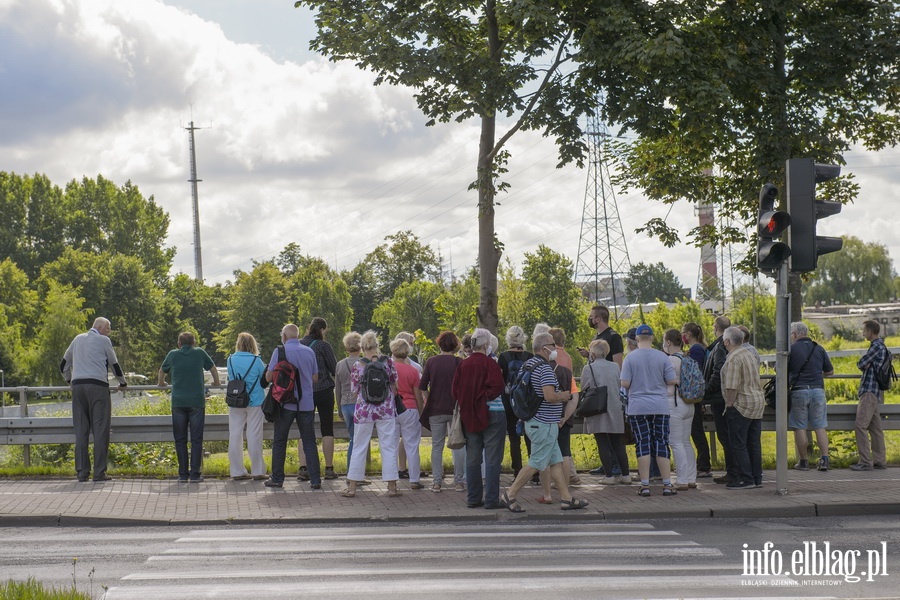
(808, 409)
(544, 446)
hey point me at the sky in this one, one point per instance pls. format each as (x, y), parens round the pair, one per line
(294, 148)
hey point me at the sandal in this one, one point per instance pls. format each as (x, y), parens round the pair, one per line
(644, 491)
(543, 500)
(572, 504)
(510, 503)
(668, 490)
(394, 493)
(348, 494)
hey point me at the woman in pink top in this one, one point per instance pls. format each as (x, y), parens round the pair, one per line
(408, 422)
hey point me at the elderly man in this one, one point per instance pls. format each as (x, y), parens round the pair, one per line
(85, 367)
(808, 367)
(646, 374)
(543, 428)
(186, 365)
(744, 404)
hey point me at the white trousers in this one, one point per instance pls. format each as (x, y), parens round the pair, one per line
(681, 416)
(388, 439)
(252, 418)
(411, 432)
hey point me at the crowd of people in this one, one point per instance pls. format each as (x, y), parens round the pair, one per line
(653, 398)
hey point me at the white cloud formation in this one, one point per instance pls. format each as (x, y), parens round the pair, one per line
(309, 152)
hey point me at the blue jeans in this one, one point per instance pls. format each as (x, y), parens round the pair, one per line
(347, 412)
(305, 422)
(186, 421)
(746, 445)
(491, 443)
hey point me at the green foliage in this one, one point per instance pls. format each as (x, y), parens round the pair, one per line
(260, 303)
(404, 260)
(196, 306)
(742, 314)
(412, 307)
(652, 282)
(662, 318)
(550, 294)
(512, 301)
(320, 292)
(861, 272)
(33, 590)
(363, 297)
(457, 305)
(62, 318)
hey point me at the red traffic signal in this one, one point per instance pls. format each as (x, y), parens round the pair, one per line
(770, 254)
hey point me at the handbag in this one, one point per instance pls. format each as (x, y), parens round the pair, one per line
(593, 400)
(271, 408)
(236, 393)
(456, 439)
(398, 404)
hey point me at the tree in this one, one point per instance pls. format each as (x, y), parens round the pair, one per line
(489, 60)
(412, 307)
(320, 292)
(363, 297)
(861, 272)
(550, 294)
(457, 305)
(260, 303)
(648, 283)
(732, 90)
(199, 308)
(511, 301)
(62, 318)
(764, 331)
(404, 260)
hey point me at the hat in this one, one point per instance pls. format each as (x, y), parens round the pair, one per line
(643, 330)
(630, 333)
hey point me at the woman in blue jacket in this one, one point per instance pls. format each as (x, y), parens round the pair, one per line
(246, 364)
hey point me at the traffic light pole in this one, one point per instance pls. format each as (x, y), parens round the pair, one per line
(782, 331)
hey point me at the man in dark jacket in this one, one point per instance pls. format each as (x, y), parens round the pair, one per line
(712, 373)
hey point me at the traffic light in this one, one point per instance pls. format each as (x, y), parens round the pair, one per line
(806, 247)
(772, 223)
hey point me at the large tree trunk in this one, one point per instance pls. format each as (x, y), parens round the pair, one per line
(488, 251)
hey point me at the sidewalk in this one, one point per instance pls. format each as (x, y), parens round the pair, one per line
(66, 502)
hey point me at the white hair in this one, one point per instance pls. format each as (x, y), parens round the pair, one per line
(734, 335)
(481, 338)
(800, 328)
(516, 337)
(540, 340)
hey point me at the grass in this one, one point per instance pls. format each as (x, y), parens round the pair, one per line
(34, 590)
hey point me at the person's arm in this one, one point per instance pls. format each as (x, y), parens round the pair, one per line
(617, 358)
(554, 397)
(114, 363)
(867, 359)
(569, 409)
(215, 374)
(671, 375)
(65, 366)
(730, 397)
(161, 378)
(420, 398)
(714, 385)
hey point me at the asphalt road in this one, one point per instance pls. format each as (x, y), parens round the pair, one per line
(703, 558)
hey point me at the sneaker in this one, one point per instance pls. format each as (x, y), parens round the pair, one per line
(823, 464)
(182, 480)
(415, 485)
(303, 474)
(460, 487)
(316, 486)
(802, 465)
(608, 480)
(329, 473)
(726, 479)
(740, 485)
(683, 487)
(860, 467)
(197, 479)
(103, 477)
(598, 471)
(624, 479)
(404, 474)
(272, 483)
(879, 467)
(758, 484)
(704, 474)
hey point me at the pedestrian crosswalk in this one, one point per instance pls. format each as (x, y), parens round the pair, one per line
(632, 560)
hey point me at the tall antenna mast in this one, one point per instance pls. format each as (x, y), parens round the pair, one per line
(198, 257)
(602, 263)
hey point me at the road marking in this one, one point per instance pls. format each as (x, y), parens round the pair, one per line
(408, 536)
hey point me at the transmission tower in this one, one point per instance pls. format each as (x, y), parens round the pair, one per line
(602, 262)
(198, 258)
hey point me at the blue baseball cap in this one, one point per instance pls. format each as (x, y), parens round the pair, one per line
(643, 330)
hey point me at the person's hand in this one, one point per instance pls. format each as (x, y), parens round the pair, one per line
(163, 385)
(583, 352)
(122, 386)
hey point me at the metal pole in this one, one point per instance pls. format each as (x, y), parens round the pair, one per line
(23, 409)
(782, 310)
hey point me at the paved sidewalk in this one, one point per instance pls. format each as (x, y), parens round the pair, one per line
(218, 501)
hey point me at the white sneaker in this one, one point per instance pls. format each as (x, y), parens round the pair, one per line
(609, 480)
(624, 479)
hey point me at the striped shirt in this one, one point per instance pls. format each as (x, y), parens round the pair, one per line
(541, 375)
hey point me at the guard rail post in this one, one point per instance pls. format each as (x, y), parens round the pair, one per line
(23, 412)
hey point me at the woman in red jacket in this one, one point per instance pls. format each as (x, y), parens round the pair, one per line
(477, 387)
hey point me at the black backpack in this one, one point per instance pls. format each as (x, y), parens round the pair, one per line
(375, 383)
(885, 375)
(524, 400)
(236, 393)
(512, 372)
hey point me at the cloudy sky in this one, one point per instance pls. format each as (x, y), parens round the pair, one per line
(294, 148)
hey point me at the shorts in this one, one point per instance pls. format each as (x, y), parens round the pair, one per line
(544, 445)
(651, 435)
(324, 401)
(808, 409)
(565, 440)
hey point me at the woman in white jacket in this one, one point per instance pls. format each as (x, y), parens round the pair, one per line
(681, 416)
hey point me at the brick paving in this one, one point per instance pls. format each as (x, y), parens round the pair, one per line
(217, 501)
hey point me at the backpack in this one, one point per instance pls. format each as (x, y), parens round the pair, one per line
(885, 375)
(692, 386)
(236, 393)
(375, 383)
(285, 380)
(523, 399)
(512, 373)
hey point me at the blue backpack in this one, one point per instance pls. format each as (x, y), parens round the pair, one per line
(522, 398)
(512, 373)
(692, 385)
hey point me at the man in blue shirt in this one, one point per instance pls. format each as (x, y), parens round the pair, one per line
(868, 416)
(301, 410)
(543, 428)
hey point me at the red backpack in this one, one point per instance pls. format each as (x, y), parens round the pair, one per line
(285, 380)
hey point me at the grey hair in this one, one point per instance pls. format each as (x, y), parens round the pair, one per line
(516, 337)
(800, 328)
(481, 338)
(734, 335)
(495, 343)
(290, 331)
(540, 328)
(540, 340)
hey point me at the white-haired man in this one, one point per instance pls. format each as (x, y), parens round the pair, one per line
(744, 405)
(808, 367)
(85, 367)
